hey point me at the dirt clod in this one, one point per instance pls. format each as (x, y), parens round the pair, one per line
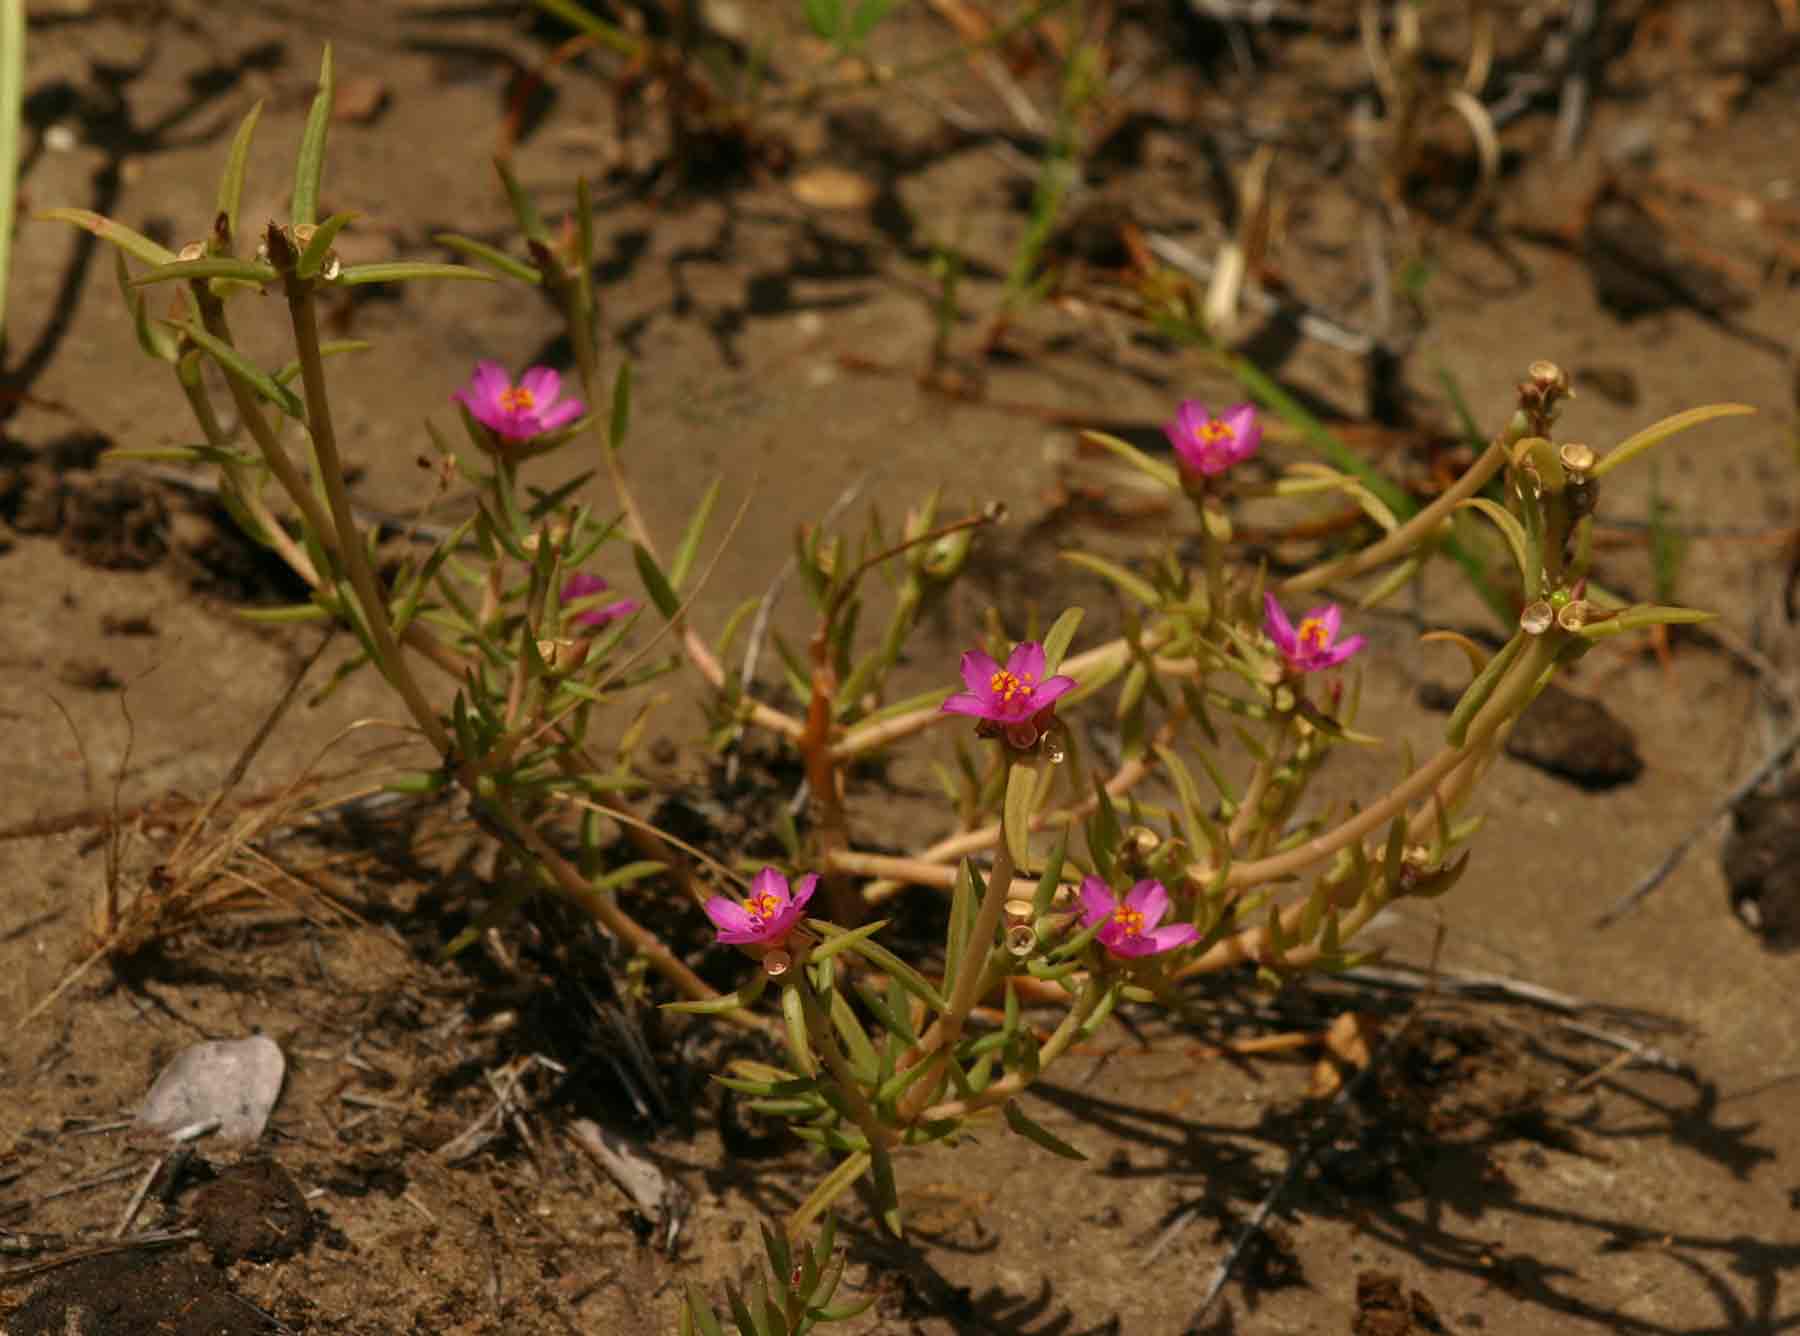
(129, 1294)
(1761, 861)
(1383, 1308)
(252, 1210)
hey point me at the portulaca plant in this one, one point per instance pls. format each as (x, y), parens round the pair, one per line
(1067, 884)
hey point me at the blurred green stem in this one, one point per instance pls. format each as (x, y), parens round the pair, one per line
(12, 97)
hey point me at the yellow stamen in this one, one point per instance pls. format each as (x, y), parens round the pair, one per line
(1314, 635)
(1215, 432)
(1006, 686)
(763, 907)
(1130, 920)
(517, 399)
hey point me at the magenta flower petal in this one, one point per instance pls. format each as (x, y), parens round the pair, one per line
(582, 585)
(518, 412)
(1012, 696)
(1129, 929)
(1150, 899)
(1209, 445)
(767, 915)
(968, 703)
(1276, 623)
(1246, 432)
(730, 918)
(1026, 662)
(1170, 938)
(978, 672)
(1097, 901)
(542, 383)
(1313, 645)
(560, 414)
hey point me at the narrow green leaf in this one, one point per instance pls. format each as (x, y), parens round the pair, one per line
(231, 181)
(531, 223)
(155, 340)
(403, 271)
(214, 266)
(887, 1196)
(1510, 529)
(1641, 617)
(1017, 1119)
(1134, 585)
(294, 612)
(1658, 432)
(836, 939)
(312, 259)
(621, 406)
(699, 1313)
(235, 363)
(902, 973)
(1481, 689)
(309, 169)
(116, 233)
(793, 1012)
(690, 541)
(656, 584)
(485, 254)
(329, 348)
(1056, 640)
(1021, 792)
(1154, 468)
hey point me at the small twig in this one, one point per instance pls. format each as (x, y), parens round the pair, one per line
(1669, 861)
(1348, 1092)
(156, 1238)
(1571, 112)
(1308, 321)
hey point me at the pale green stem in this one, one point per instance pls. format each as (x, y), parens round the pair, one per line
(351, 553)
(243, 488)
(824, 1040)
(1409, 535)
(1508, 698)
(1014, 1082)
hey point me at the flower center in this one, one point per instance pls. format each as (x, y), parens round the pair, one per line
(1130, 921)
(517, 399)
(1314, 636)
(1215, 432)
(1007, 687)
(763, 907)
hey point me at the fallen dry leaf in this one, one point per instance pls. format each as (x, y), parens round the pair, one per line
(1349, 1047)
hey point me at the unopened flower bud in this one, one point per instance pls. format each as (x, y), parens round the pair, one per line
(563, 656)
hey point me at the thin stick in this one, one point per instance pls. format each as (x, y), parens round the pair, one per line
(1669, 861)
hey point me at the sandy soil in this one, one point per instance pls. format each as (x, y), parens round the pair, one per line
(1501, 1172)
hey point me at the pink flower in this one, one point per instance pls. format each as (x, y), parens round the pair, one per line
(518, 412)
(1014, 700)
(1129, 929)
(1209, 445)
(581, 587)
(769, 913)
(1315, 644)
